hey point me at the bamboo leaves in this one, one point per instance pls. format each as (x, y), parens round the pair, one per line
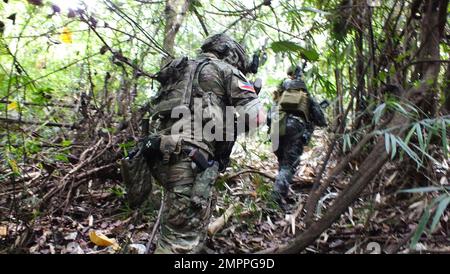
(288, 46)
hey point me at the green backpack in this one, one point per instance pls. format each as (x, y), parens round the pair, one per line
(294, 98)
(137, 177)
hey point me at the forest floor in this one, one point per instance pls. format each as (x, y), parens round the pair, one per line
(372, 224)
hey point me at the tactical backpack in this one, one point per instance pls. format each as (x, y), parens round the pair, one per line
(294, 98)
(179, 81)
(179, 85)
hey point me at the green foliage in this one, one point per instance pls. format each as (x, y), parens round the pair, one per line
(263, 188)
(126, 147)
(288, 46)
(118, 191)
(438, 205)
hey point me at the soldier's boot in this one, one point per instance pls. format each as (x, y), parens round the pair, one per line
(281, 188)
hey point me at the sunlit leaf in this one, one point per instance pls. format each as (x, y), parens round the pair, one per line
(66, 36)
(66, 143)
(14, 167)
(13, 105)
(394, 147)
(387, 142)
(288, 46)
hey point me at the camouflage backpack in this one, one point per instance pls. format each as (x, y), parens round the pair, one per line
(179, 84)
(178, 80)
(294, 98)
(136, 176)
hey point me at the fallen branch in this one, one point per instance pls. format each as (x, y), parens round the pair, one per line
(292, 217)
(91, 172)
(234, 175)
(221, 221)
(47, 124)
(155, 227)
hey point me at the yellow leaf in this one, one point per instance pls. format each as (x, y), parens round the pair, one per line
(13, 165)
(3, 230)
(13, 105)
(66, 36)
(101, 240)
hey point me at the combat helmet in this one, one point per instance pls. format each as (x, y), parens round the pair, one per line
(227, 49)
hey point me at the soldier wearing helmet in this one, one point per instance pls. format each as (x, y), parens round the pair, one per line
(294, 115)
(185, 164)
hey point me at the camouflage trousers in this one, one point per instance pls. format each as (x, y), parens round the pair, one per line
(184, 220)
(288, 154)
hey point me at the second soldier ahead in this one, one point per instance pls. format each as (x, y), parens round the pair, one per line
(293, 118)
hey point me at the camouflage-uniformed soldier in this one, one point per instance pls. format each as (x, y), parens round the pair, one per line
(186, 164)
(295, 113)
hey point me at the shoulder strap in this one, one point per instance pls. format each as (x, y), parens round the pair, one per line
(195, 83)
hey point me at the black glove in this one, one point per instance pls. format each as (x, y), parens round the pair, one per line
(150, 146)
(316, 114)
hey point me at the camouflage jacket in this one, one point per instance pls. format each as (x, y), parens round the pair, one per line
(219, 85)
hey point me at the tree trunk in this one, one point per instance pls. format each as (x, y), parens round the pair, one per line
(431, 33)
(174, 13)
(446, 105)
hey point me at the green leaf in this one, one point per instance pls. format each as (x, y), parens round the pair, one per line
(310, 9)
(394, 147)
(444, 138)
(420, 227)
(378, 112)
(197, 4)
(288, 46)
(61, 158)
(420, 136)
(387, 142)
(410, 134)
(66, 143)
(400, 108)
(425, 153)
(285, 46)
(421, 189)
(311, 54)
(410, 153)
(440, 210)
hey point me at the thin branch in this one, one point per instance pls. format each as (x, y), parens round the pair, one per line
(155, 226)
(247, 12)
(48, 124)
(200, 19)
